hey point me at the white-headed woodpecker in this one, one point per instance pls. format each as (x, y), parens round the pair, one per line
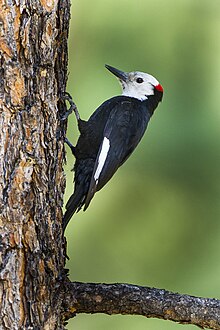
(110, 135)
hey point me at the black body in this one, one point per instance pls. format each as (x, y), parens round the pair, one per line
(123, 121)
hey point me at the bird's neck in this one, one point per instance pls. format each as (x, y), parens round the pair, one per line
(152, 102)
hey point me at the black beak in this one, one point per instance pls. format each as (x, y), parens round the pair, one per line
(118, 73)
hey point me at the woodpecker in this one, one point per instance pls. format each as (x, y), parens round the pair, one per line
(110, 135)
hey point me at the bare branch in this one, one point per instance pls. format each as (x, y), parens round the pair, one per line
(130, 299)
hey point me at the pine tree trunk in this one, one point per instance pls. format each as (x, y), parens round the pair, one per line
(33, 73)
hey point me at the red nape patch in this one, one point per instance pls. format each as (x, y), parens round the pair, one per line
(159, 88)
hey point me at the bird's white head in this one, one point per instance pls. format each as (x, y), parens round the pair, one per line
(136, 84)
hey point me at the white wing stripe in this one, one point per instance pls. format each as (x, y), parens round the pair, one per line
(102, 158)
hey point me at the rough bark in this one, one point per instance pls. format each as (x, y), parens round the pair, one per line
(130, 299)
(33, 73)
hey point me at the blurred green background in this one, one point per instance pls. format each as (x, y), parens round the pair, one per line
(156, 223)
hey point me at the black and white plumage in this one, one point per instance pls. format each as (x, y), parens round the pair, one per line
(110, 135)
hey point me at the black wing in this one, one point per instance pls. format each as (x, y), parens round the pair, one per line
(123, 131)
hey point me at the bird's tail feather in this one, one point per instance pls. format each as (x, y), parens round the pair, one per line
(73, 205)
(82, 180)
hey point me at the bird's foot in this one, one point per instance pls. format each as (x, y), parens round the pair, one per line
(73, 149)
(73, 107)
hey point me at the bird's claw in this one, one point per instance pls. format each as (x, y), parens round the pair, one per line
(73, 107)
(70, 145)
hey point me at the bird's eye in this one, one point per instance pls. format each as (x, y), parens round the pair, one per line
(139, 80)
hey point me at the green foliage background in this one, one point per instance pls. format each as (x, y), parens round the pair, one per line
(157, 222)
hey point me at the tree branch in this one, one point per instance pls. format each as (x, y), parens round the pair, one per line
(130, 299)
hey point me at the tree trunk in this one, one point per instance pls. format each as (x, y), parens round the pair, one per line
(33, 74)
